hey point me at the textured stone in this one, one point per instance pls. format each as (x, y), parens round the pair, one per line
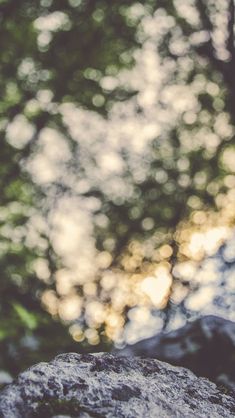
(205, 346)
(106, 385)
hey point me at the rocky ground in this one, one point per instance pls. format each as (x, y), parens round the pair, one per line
(106, 385)
(205, 346)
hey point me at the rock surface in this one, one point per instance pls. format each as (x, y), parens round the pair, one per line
(205, 346)
(105, 385)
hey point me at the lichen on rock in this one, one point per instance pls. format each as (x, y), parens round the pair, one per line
(206, 346)
(105, 385)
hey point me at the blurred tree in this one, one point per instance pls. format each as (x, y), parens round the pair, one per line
(60, 57)
(66, 55)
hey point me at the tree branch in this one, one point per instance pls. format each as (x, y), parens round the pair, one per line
(206, 22)
(230, 41)
(207, 49)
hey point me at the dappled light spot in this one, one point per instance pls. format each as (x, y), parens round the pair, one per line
(76, 332)
(228, 158)
(133, 164)
(51, 22)
(42, 269)
(50, 301)
(75, 3)
(157, 287)
(104, 259)
(19, 132)
(45, 165)
(207, 243)
(64, 282)
(92, 336)
(200, 298)
(70, 307)
(165, 251)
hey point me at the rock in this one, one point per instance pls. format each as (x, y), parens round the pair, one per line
(205, 346)
(108, 386)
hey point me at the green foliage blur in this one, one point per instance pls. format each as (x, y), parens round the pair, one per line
(58, 53)
(27, 332)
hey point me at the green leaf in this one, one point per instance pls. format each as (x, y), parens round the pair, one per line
(26, 317)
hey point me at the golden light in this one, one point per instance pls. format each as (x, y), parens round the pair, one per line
(200, 298)
(96, 313)
(143, 278)
(207, 242)
(70, 308)
(63, 282)
(228, 158)
(77, 333)
(104, 259)
(157, 287)
(50, 301)
(92, 336)
(114, 325)
(166, 251)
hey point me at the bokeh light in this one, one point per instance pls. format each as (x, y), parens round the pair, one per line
(136, 172)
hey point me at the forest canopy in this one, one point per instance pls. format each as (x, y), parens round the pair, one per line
(117, 167)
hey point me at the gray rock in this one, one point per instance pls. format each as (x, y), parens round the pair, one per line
(205, 346)
(105, 385)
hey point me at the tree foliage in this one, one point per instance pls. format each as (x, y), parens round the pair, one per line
(63, 58)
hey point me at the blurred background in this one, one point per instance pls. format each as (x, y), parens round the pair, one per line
(117, 172)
